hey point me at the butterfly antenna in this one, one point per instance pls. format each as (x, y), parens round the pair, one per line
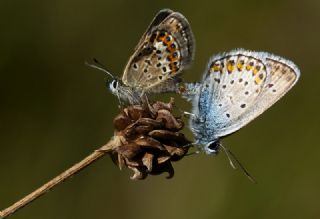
(99, 66)
(227, 152)
(231, 158)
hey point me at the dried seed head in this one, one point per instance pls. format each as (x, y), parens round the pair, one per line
(151, 139)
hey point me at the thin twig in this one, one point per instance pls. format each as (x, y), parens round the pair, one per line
(114, 142)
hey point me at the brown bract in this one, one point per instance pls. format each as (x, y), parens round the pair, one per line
(150, 139)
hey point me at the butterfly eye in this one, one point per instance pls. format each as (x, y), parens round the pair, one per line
(115, 84)
(213, 147)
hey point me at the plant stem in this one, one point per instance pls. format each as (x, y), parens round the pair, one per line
(114, 142)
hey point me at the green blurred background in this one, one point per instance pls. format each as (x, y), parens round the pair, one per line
(55, 111)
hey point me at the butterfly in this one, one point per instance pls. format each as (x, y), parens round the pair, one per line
(164, 50)
(236, 87)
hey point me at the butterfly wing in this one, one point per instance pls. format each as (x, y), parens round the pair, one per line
(240, 85)
(166, 48)
(160, 16)
(282, 76)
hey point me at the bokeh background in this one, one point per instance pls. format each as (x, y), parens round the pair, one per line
(55, 111)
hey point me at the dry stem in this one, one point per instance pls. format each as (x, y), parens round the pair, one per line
(114, 142)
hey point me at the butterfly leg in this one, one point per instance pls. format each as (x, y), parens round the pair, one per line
(191, 145)
(119, 99)
(147, 104)
(185, 113)
(193, 153)
(188, 114)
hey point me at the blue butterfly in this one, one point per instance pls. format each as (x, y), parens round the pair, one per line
(236, 87)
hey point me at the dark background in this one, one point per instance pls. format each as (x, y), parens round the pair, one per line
(55, 111)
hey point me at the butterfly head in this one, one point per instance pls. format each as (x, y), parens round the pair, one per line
(117, 88)
(125, 94)
(213, 147)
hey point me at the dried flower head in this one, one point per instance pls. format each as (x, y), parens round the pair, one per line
(150, 139)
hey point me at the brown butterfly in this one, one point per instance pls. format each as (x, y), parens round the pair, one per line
(164, 50)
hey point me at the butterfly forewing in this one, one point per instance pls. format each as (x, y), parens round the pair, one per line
(166, 48)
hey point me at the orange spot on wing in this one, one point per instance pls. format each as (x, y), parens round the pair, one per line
(239, 66)
(248, 67)
(256, 69)
(230, 66)
(257, 80)
(161, 38)
(167, 40)
(215, 68)
(171, 58)
(173, 68)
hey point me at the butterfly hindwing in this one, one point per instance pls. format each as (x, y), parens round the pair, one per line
(165, 49)
(240, 85)
(283, 75)
(233, 80)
